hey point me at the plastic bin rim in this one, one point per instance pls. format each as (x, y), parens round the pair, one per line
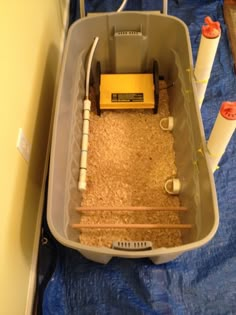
(139, 254)
(108, 14)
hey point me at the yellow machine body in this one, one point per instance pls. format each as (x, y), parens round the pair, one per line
(127, 91)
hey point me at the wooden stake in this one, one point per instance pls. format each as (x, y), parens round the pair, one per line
(131, 226)
(131, 209)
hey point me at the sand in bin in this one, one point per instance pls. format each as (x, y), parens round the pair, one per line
(129, 160)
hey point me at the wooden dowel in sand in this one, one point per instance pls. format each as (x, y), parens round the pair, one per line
(131, 209)
(131, 226)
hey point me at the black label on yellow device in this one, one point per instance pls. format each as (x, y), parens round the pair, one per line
(127, 97)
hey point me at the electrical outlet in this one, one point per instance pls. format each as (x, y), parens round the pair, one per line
(23, 145)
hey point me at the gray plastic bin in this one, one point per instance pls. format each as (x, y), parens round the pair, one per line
(165, 39)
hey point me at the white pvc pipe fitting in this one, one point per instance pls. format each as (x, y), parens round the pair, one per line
(167, 123)
(173, 186)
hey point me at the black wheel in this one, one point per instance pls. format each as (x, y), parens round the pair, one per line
(97, 81)
(156, 85)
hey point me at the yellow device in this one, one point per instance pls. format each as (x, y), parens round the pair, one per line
(127, 91)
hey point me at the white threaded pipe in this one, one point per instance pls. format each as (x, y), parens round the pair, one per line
(86, 116)
(206, 54)
(222, 132)
(84, 148)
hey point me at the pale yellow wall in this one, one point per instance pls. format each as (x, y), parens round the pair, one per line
(30, 47)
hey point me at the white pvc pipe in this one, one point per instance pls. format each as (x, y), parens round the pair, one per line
(89, 64)
(82, 8)
(86, 116)
(84, 148)
(165, 6)
(206, 55)
(123, 4)
(221, 133)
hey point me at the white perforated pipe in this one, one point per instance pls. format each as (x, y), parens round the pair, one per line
(84, 148)
(86, 116)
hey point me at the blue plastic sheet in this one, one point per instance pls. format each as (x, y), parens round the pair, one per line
(199, 282)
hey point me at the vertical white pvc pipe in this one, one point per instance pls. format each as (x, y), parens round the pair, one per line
(86, 116)
(222, 132)
(165, 6)
(82, 8)
(206, 54)
(84, 148)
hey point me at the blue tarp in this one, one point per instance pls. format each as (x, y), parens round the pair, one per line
(199, 282)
